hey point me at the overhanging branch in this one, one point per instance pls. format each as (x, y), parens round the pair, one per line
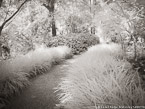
(6, 21)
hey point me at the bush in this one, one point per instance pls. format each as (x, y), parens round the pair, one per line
(77, 42)
(99, 78)
(15, 73)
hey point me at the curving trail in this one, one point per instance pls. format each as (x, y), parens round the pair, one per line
(40, 94)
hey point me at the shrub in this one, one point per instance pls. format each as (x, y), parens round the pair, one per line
(77, 42)
(99, 78)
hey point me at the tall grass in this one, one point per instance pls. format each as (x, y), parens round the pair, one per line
(99, 78)
(11, 83)
(40, 60)
(15, 73)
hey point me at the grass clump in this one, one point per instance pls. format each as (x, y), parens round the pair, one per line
(15, 73)
(11, 83)
(99, 78)
(40, 60)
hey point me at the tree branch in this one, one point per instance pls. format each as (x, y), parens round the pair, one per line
(46, 6)
(6, 21)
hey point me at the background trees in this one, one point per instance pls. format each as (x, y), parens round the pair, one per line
(29, 23)
(9, 9)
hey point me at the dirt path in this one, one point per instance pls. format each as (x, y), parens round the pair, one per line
(40, 95)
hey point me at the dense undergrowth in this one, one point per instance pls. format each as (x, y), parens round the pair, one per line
(77, 42)
(100, 77)
(15, 73)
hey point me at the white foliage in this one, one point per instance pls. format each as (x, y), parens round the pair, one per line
(97, 78)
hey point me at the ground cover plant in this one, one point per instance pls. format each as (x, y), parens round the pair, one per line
(99, 78)
(15, 73)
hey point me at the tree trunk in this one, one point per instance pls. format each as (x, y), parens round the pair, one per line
(92, 30)
(53, 27)
(1, 1)
(135, 48)
(51, 10)
(1, 28)
(50, 7)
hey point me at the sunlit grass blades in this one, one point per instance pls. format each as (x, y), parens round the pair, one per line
(15, 73)
(98, 78)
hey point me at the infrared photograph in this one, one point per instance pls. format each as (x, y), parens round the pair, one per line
(72, 54)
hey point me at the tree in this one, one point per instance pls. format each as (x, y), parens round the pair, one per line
(51, 7)
(79, 14)
(1, 1)
(129, 17)
(11, 16)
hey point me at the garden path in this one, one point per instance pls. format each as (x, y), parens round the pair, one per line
(40, 94)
